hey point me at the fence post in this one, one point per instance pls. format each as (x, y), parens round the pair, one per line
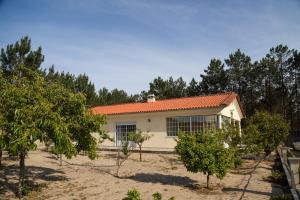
(294, 170)
(284, 155)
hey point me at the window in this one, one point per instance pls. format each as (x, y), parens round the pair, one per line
(122, 131)
(193, 124)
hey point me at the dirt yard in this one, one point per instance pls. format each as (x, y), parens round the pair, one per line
(81, 178)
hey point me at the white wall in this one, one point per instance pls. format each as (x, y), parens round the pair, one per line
(157, 125)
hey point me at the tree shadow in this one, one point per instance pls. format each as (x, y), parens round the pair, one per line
(9, 177)
(164, 179)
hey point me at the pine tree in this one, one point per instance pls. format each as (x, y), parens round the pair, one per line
(215, 78)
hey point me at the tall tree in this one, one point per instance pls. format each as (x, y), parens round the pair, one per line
(115, 96)
(242, 78)
(33, 109)
(169, 88)
(281, 57)
(16, 56)
(80, 83)
(193, 88)
(215, 78)
(294, 91)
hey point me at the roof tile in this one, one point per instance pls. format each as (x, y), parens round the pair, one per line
(209, 101)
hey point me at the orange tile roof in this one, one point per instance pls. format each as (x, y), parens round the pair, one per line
(210, 101)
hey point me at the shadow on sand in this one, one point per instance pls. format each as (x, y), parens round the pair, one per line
(9, 176)
(163, 179)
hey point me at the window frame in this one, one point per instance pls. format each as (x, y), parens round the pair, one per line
(204, 124)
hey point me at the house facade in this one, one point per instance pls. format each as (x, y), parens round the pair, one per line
(164, 119)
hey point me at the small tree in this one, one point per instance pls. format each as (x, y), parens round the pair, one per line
(123, 152)
(265, 131)
(139, 138)
(205, 152)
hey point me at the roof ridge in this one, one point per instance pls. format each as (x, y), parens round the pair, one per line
(204, 95)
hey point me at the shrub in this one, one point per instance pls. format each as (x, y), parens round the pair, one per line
(265, 131)
(205, 153)
(157, 196)
(133, 194)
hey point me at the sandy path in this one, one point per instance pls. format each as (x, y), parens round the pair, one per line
(82, 178)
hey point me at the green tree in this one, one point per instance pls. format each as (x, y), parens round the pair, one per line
(265, 131)
(239, 66)
(242, 79)
(205, 153)
(281, 57)
(123, 153)
(294, 90)
(138, 138)
(215, 78)
(15, 56)
(80, 83)
(115, 96)
(169, 88)
(33, 109)
(193, 88)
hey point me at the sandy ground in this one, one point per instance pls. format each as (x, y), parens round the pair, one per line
(81, 178)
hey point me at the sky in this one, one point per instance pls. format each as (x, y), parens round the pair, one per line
(125, 44)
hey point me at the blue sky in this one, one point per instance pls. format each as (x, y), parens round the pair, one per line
(126, 43)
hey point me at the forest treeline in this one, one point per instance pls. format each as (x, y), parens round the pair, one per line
(271, 83)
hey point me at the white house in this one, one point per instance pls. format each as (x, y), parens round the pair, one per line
(164, 119)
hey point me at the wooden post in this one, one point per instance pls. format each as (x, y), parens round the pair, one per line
(284, 155)
(294, 169)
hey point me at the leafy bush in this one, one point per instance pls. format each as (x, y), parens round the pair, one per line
(157, 196)
(205, 153)
(133, 194)
(265, 131)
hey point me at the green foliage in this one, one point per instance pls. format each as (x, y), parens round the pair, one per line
(278, 176)
(138, 138)
(133, 194)
(193, 89)
(33, 109)
(265, 131)
(29, 187)
(215, 78)
(205, 153)
(165, 89)
(157, 196)
(282, 197)
(16, 56)
(115, 96)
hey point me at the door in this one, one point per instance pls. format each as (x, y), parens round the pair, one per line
(122, 131)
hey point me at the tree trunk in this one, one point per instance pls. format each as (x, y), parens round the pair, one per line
(207, 181)
(118, 161)
(0, 157)
(21, 173)
(140, 153)
(60, 159)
